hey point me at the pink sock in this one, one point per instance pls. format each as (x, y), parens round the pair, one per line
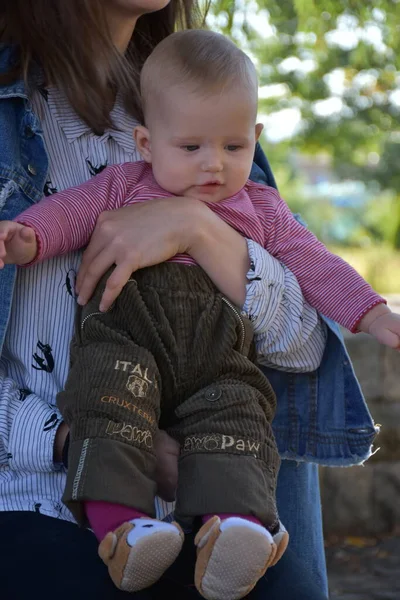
(105, 516)
(206, 518)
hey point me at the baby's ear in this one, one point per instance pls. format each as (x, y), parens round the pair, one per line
(143, 143)
(259, 128)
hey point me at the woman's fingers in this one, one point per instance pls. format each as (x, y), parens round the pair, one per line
(165, 444)
(115, 283)
(102, 237)
(88, 257)
(167, 450)
(98, 266)
(90, 274)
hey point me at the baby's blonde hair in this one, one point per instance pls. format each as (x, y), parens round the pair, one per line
(203, 61)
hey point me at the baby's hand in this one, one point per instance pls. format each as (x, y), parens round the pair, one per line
(18, 245)
(384, 325)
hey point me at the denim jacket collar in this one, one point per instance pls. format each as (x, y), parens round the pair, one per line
(16, 89)
(13, 90)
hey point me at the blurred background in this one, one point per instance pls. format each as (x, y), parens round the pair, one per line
(330, 103)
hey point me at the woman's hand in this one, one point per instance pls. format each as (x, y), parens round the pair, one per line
(166, 476)
(133, 237)
(59, 442)
(149, 233)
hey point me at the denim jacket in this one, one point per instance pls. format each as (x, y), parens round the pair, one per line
(321, 417)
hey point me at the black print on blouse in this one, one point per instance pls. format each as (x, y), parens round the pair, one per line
(95, 170)
(24, 393)
(59, 507)
(69, 282)
(46, 363)
(36, 507)
(48, 189)
(9, 456)
(51, 423)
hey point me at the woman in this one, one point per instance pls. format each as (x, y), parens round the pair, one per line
(51, 141)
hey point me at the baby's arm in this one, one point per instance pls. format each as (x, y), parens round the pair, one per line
(65, 221)
(328, 283)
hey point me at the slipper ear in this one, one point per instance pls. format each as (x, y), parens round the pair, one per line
(107, 547)
(204, 533)
(205, 542)
(281, 540)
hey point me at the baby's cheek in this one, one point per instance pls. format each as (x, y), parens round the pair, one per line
(168, 178)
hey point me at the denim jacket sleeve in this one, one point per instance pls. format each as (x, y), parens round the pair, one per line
(23, 169)
(321, 416)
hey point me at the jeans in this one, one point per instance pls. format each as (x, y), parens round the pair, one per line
(298, 499)
(48, 558)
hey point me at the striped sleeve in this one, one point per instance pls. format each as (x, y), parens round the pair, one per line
(65, 221)
(28, 427)
(164, 510)
(328, 283)
(288, 333)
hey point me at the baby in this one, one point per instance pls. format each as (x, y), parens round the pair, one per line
(172, 351)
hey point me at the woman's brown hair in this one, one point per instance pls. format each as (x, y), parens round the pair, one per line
(69, 41)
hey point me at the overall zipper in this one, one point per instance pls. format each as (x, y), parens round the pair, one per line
(239, 318)
(88, 317)
(94, 314)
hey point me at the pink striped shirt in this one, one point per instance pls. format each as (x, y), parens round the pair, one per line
(65, 221)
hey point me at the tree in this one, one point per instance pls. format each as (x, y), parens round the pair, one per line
(336, 62)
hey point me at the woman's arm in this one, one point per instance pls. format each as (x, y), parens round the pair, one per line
(289, 334)
(31, 430)
(150, 233)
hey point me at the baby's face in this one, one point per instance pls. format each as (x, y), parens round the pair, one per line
(203, 147)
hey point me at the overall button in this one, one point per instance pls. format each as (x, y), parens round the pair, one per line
(32, 170)
(213, 394)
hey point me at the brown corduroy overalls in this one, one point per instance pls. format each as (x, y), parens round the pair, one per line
(172, 352)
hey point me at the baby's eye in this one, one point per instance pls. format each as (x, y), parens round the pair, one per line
(232, 147)
(190, 147)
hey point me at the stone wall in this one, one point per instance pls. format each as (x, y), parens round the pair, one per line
(365, 500)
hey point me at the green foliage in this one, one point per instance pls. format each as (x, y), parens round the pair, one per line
(360, 68)
(379, 265)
